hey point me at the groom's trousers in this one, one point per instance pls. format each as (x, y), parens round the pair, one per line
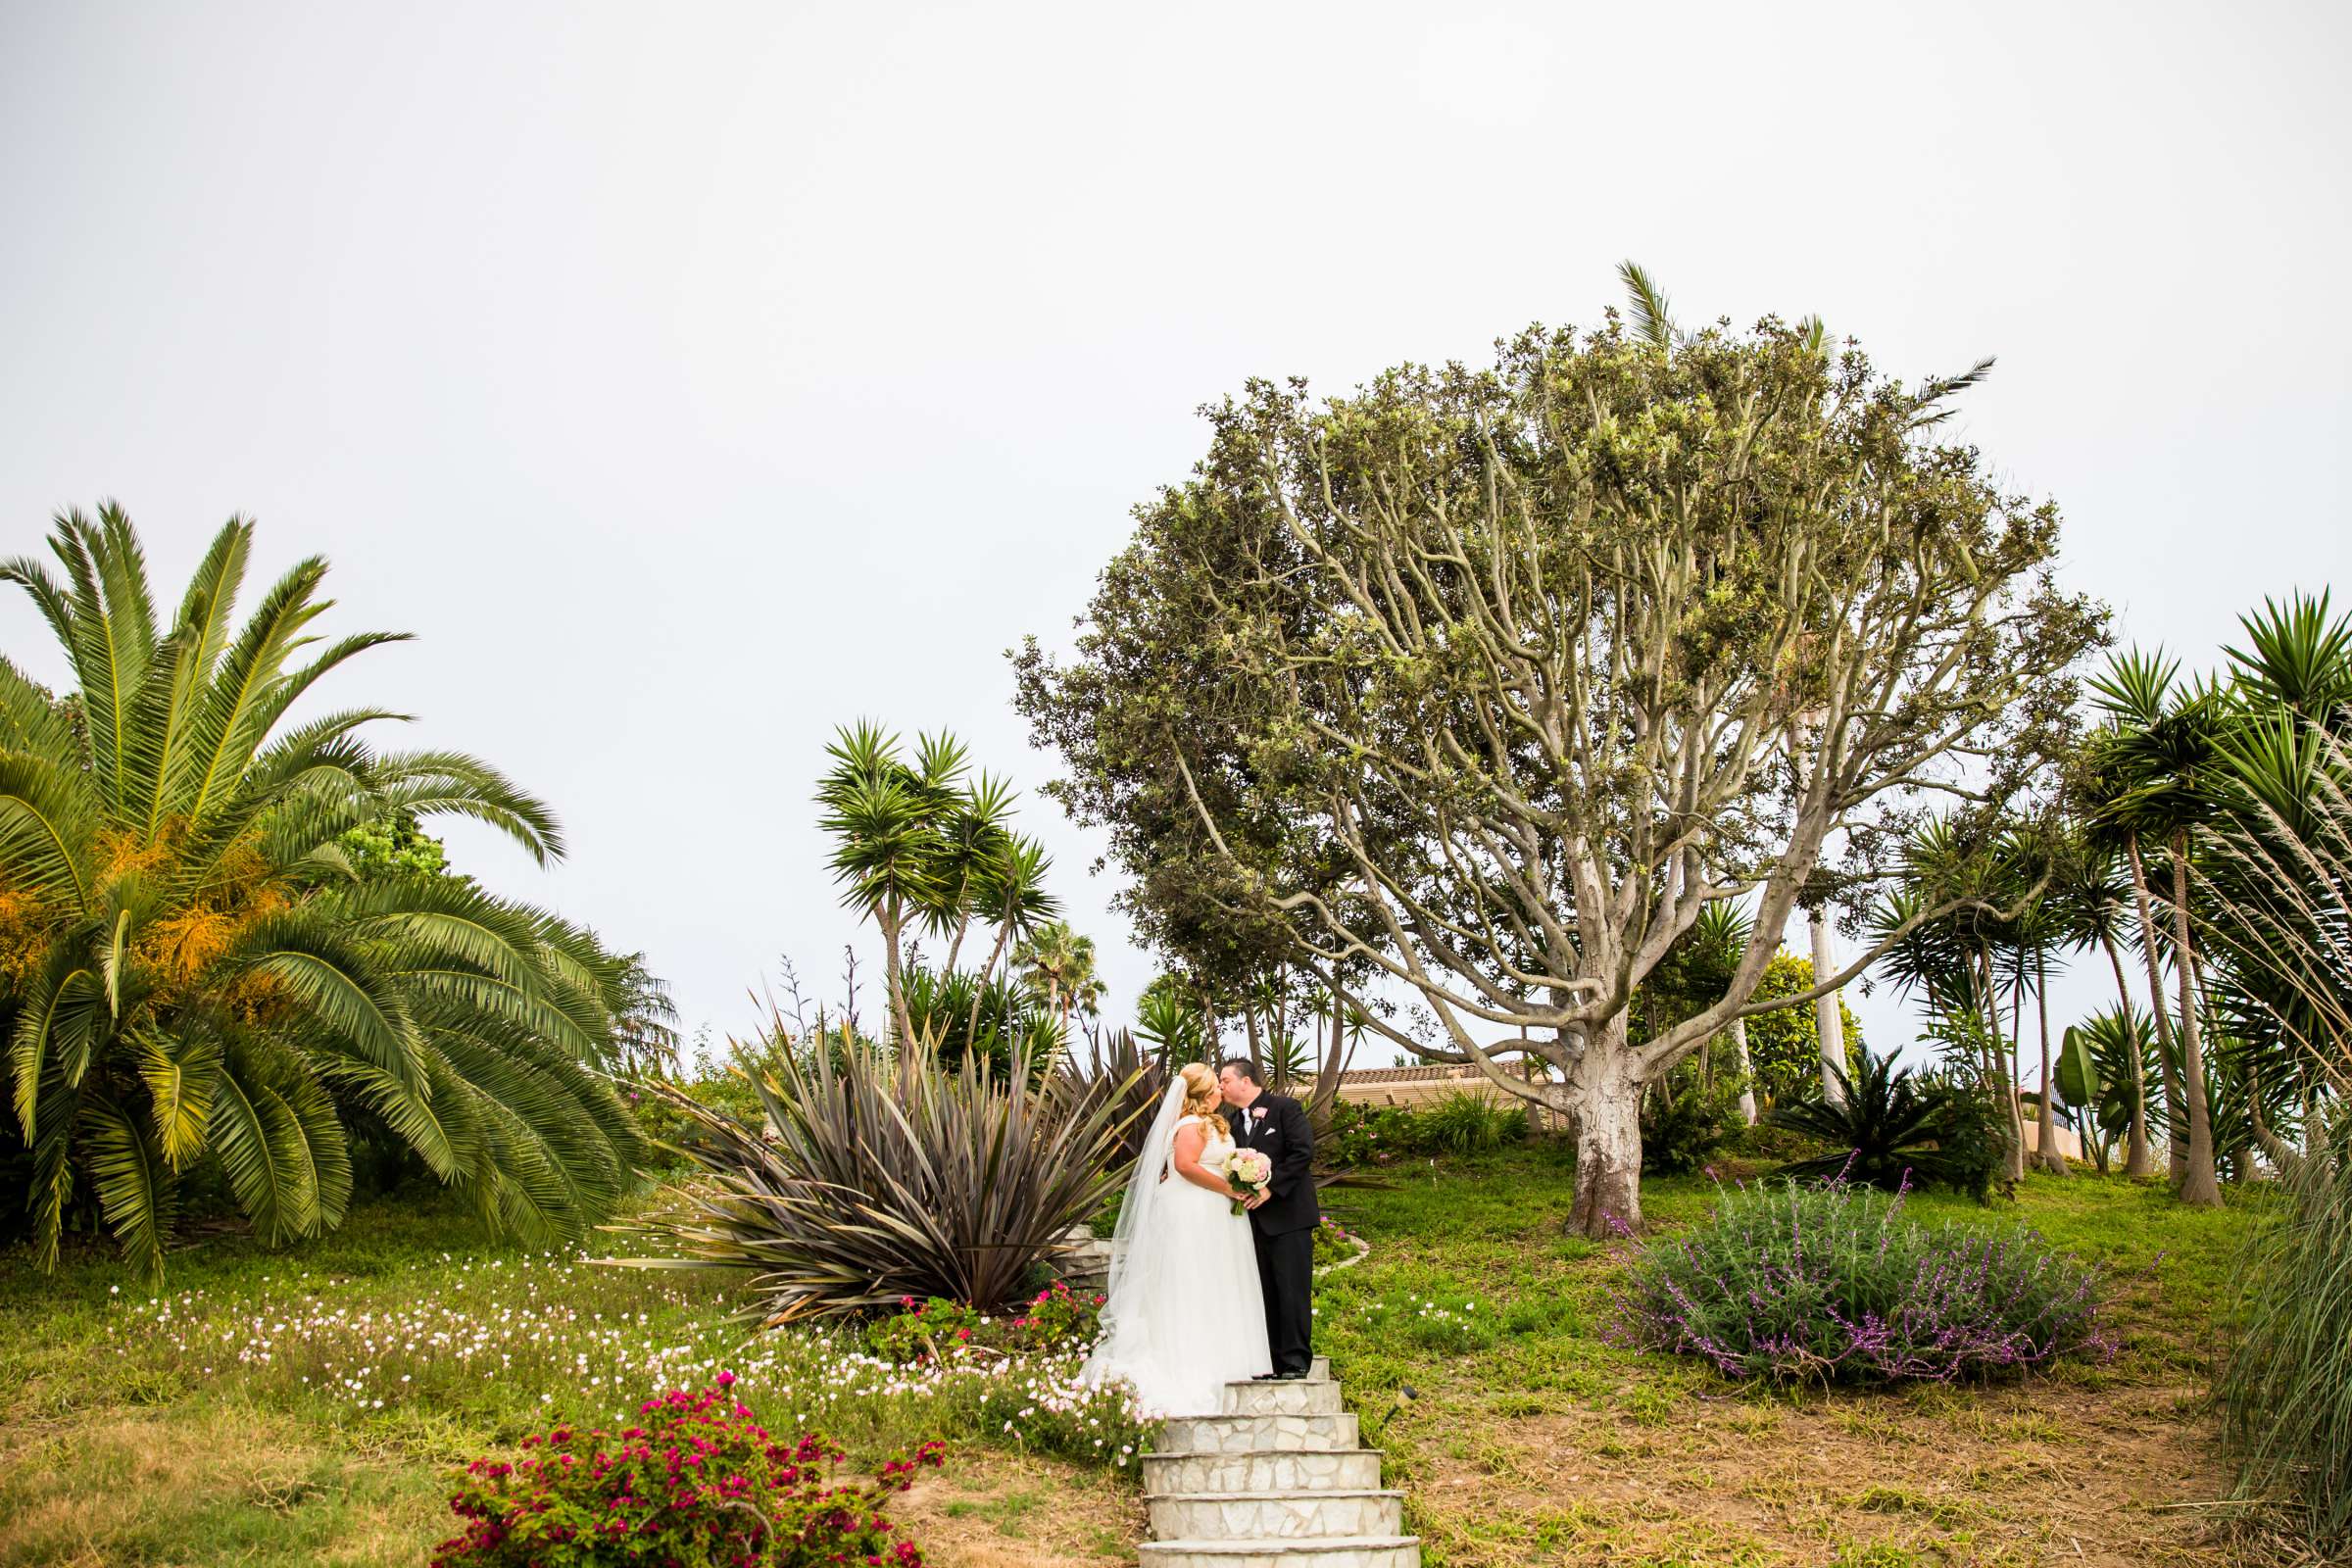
(1286, 1268)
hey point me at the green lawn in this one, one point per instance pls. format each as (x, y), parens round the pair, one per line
(1532, 1440)
(235, 1419)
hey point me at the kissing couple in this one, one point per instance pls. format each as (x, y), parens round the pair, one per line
(1212, 1264)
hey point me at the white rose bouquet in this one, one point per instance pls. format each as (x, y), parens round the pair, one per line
(1252, 1172)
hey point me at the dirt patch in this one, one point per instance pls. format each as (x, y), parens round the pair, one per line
(996, 1510)
(2109, 1476)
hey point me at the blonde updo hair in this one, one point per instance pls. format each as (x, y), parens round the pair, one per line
(1201, 1096)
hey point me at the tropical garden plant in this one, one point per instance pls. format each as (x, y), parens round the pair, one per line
(2282, 922)
(879, 1175)
(1891, 1128)
(195, 973)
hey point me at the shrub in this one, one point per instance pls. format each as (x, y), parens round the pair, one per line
(1682, 1127)
(696, 1482)
(1466, 1123)
(1896, 1129)
(1831, 1284)
(1057, 1318)
(887, 1176)
(924, 1329)
(1352, 1138)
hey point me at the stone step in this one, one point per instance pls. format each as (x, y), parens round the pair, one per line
(1258, 1434)
(1318, 1470)
(1276, 1515)
(1318, 1370)
(1325, 1551)
(1301, 1397)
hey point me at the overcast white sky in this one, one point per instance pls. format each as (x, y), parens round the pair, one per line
(694, 378)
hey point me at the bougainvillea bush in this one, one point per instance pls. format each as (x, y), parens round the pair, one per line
(695, 1484)
(1796, 1282)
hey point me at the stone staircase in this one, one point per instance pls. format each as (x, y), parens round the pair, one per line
(1281, 1480)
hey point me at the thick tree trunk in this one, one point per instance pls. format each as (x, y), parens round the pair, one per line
(1827, 1020)
(2176, 1159)
(2199, 1187)
(1748, 1073)
(2138, 1163)
(1608, 1137)
(2045, 1133)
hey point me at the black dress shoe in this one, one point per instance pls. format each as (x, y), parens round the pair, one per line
(1263, 1377)
(1290, 1376)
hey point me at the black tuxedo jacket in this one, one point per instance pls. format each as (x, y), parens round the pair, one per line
(1275, 1125)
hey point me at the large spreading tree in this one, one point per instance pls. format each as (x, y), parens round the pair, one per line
(1487, 682)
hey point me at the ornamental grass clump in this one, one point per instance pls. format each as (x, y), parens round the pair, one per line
(697, 1484)
(1797, 1283)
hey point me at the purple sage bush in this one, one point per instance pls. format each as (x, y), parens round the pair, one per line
(1830, 1282)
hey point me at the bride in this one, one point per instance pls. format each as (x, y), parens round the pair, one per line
(1185, 1313)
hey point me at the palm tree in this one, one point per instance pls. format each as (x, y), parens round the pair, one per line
(1059, 962)
(1952, 960)
(645, 1023)
(2160, 747)
(2040, 926)
(195, 975)
(2094, 898)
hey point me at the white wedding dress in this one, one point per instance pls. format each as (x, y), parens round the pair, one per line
(1185, 1313)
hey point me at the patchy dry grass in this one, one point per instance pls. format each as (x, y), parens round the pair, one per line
(1531, 1441)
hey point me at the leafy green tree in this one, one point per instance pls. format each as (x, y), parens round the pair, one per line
(193, 972)
(1494, 679)
(1784, 1043)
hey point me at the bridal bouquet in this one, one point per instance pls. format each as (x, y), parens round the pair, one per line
(1251, 1170)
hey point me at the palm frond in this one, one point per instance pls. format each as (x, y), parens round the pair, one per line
(1653, 317)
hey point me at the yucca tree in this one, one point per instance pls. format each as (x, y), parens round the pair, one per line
(918, 846)
(1168, 1021)
(191, 971)
(889, 855)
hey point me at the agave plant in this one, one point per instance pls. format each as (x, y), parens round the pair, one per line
(1892, 1127)
(882, 1175)
(189, 968)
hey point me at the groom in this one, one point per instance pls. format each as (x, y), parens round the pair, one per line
(1282, 1217)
